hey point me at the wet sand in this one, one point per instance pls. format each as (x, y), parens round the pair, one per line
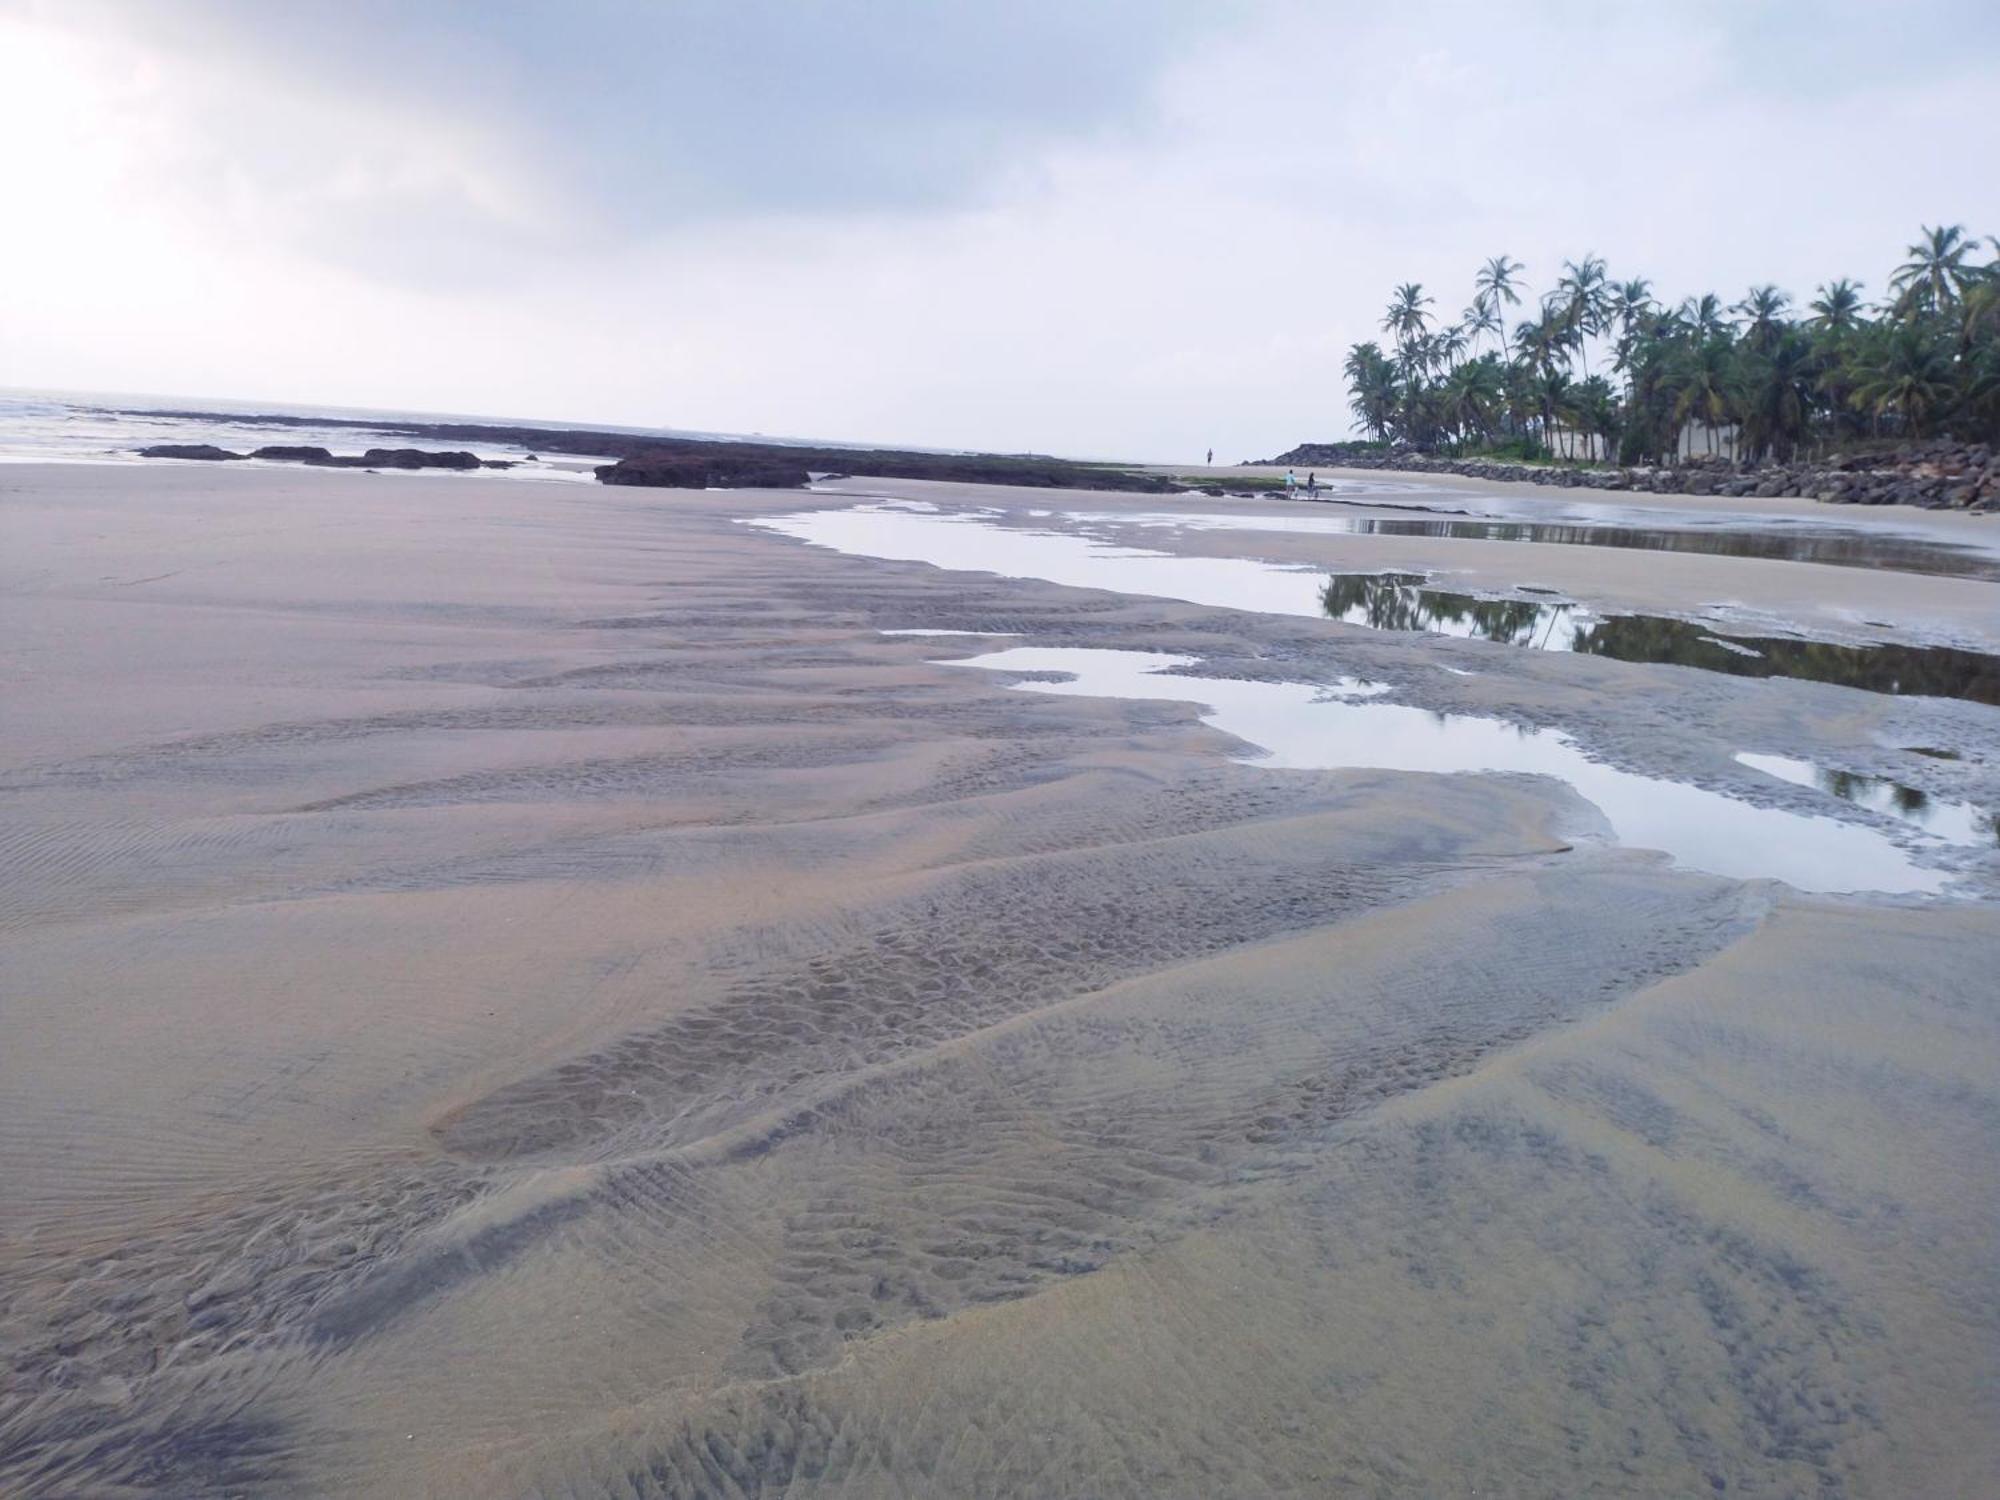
(526, 991)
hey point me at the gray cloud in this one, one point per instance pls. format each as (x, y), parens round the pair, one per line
(642, 116)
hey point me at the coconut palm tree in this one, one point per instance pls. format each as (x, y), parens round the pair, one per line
(1762, 311)
(1837, 308)
(1480, 319)
(1582, 293)
(1495, 287)
(1905, 374)
(1776, 391)
(1629, 304)
(1937, 272)
(1595, 406)
(1371, 383)
(1474, 396)
(1702, 379)
(1783, 377)
(1449, 344)
(1703, 316)
(1539, 342)
(1555, 395)
(1407, 317)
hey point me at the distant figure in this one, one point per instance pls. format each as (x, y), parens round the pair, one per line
(1211, 458)
(1291, 482)
(1312, 483)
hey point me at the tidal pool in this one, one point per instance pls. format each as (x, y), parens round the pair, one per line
(1403, 601)
(1383, 601)
(1301, 726)
(1640, 530)
(1954, 822)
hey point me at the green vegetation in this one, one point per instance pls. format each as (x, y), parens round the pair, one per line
(1604, 360)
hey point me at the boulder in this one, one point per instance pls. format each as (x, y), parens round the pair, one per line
(298, 453)
(693, 471)
(187, 450)
(417, 458)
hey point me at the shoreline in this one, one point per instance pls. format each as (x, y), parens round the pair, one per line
(1936, 475)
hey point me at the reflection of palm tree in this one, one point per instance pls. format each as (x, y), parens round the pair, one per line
(1398, 601)
(1911, 800)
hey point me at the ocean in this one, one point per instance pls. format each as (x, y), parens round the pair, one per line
(98, 427)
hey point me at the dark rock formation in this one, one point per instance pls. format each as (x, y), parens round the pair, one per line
(1030, 469)
(411, 458)
(694, 465)
(1937, 475)
(692, 471)
(187, 450)
(302, 453)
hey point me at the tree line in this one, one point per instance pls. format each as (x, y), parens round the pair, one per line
(1607, 361)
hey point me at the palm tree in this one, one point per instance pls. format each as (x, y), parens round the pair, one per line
(1701, 381)
(1371, 382)
(1583, 297)
(1936, 274)
(1703, 317)
(1776, 393)
(1595, 405)
(1449, 344)
(1480, 318)
(1905, 374)
(1928, 359)
(1837, 308)
(1494, 287)
(1555, 395)
(1406, 317)
(1473, 396)
(1630, 302)
(1762, 310)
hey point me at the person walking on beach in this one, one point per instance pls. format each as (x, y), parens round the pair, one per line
(1291, 482)
(1312, 485)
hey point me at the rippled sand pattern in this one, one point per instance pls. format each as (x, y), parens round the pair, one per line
(533, 995)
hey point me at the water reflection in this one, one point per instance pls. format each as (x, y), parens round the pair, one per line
(1957, 822)
(1300, 725)
(1400, 601)
(1389, 601)
(1839, 547)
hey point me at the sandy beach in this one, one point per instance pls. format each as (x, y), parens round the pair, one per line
(521, 990)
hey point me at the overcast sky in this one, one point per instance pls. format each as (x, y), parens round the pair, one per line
(1121, 227)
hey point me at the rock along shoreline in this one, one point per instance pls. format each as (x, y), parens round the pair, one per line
(1939, 475)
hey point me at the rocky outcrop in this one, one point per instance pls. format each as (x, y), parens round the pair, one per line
(412, 458)
(697, 465)
(693, 471)
(1030, 469)
(293, 453)
(302, 453)
(1939, 476)
(187, 450)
